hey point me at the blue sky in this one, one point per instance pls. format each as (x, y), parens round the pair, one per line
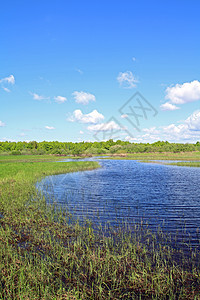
(68, 67)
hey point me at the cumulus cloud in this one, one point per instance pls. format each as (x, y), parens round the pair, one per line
(104, 126)
(50, 127)
(184, 93)
(151, 135)
(81, 132)
(83, 97)
(193, 121)
(2, 124)
(186, 131)
(151, 130)
(39, 97)
(189, 129)
(60, 99)
(169, 106)
(174, 130)
(93, 117)
(127, 79)
(10, 80)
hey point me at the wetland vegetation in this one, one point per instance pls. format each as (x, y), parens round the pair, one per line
(44, 256)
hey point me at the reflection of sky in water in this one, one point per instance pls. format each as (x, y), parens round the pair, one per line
(130, 190)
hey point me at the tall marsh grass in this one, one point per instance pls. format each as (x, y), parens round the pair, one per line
(43, 256)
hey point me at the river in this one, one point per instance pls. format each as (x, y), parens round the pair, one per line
(130, 191)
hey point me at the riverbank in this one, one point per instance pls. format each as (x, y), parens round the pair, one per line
(185, 156)
(42, 256)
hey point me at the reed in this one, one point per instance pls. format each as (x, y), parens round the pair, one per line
(43, 256)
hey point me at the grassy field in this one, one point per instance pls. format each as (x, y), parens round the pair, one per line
(29, 158)
(188, 156)
(42, 256)
(195, 164)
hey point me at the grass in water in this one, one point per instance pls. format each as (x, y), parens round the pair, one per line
(29, 158)
(42, 256)
(188, 156)
(195, 164)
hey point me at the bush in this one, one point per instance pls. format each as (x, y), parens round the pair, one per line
(115, 148)
(41, 151)
(15, 152)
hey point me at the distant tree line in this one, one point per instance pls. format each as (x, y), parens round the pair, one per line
(92, 148)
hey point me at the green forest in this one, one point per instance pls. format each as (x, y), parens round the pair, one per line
(93, 148)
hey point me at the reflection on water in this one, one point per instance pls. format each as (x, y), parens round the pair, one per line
(127, 190)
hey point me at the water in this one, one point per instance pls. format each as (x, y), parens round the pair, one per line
(128, 190)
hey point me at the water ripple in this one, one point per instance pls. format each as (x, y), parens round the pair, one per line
(125, 190)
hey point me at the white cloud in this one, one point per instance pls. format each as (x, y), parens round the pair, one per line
(186, 131)
(93, 117)
(50, 127)
(38, 97)
(127, 79)
(130, 139)
(189, 129)
(10, 80)
(193, 121)
(60, 99)
(173, 129)
(169, 106)
(104, 126)
(184, 93)
(151, 130)
(81, 132)
(151, 135)
(145, 138)
(83, 97)
(2, 124)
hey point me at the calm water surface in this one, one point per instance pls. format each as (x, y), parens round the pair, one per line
(128, 190)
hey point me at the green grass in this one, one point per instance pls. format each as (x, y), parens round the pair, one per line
(190, 156)
(42, 256)
(195, 164)
(186, 164)
(29, 158)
